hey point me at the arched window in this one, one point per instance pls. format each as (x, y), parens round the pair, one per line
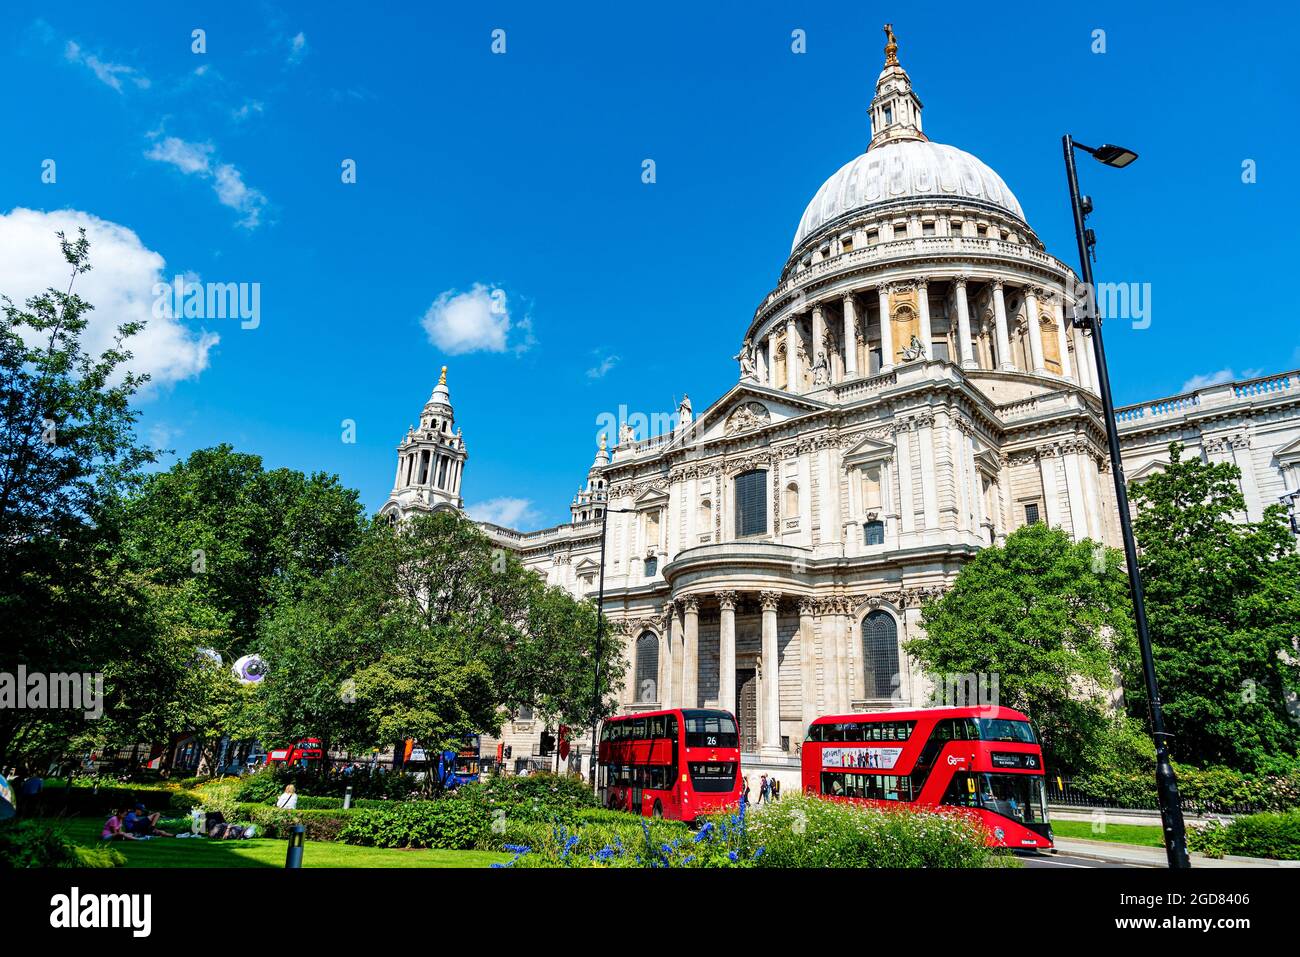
(792, 500)
(875, 533)
(751, 503)
(879, 655)
(647, 668)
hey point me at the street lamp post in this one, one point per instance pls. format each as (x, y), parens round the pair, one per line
(600, 635)
(1171, 814)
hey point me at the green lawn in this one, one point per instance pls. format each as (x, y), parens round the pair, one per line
(268, 852)
(1144, 835)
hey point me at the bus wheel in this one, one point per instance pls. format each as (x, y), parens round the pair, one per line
(658, 812)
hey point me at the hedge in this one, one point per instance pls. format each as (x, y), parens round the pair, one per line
(321, 825)
(87, 802)
(1274, 835)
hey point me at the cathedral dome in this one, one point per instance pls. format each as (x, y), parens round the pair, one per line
(901, 170)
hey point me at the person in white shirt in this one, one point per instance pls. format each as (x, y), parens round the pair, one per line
(288, 800)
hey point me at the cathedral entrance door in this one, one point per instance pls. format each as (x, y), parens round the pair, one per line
(747, 706)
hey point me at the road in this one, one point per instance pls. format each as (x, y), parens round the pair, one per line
(1066, 861)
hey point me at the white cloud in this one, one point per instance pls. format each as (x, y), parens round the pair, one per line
(120, 287)
(475, 321)
(510, 512)
(297, 48)
(189, 158)
(198, 159)
(1207, 379)
(110, 74)
(247, 109)
(601, 369)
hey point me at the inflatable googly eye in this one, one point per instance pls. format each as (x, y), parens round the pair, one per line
(209, 656)
(249, 670)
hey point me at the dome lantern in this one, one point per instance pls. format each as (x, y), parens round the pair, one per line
(896, 110)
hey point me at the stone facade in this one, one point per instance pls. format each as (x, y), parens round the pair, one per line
(909, 393)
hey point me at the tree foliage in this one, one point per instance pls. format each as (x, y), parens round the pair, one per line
(1051, 618)
(1223, 600)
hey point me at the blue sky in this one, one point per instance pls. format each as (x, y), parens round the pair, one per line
(516, 178)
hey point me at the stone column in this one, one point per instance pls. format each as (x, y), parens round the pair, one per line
(664, 687)
(792, 377)
(1082, 346)
(818, 335)
(1035, 331)
(886, 331)
(831, 641)
(690, 652)
(727, 651)
(1000, 327)
(771, 360)
(675, 656)
(770, 742)
(923, 312)
(760, 362)
(1062, 338)
(963, 324)
(850, 338)
(808, 658)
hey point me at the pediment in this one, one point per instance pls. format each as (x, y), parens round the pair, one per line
(868, 452)
(650, 498)
(747, 407)
(1147, 470)
(587, 565)
(1289, 454)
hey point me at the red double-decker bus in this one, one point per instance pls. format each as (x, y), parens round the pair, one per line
(985, 761)
(674, 764)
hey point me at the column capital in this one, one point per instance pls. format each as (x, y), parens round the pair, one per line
(959, 281)
(808, 607)
(769, 600)
(727, 599)
(921, 282)
(690, 604)
(998, 285)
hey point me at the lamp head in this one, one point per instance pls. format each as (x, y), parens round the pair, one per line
(1116, 156)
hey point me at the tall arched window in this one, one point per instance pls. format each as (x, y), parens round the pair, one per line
(751, 503)
(647, 668)
(879, 655)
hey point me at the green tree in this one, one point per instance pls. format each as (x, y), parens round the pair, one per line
(67, 443)
(236, 536)
(428, 596)
(1223, 599)
(1051, 618)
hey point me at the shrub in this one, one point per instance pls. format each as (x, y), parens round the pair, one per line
(97, 857)
(29, 843)
(321, 825)
(87, 801)
(805, 831)
(270, 781)
(537, 798)
(630, 842)
(1274, 835)
(454, 822)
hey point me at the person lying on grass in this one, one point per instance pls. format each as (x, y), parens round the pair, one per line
(113, 828)
(144, 824)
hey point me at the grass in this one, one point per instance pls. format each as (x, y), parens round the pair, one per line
(269, 852)
(1143, 835)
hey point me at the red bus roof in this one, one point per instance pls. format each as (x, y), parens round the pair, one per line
(973, 711)
(654, 714)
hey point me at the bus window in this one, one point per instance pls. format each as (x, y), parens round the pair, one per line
(710, 730)
(1004, 729)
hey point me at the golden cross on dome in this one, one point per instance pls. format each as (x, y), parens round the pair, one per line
(891, 46)
(442, 379)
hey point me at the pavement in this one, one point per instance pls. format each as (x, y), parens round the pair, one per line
(1075, 852)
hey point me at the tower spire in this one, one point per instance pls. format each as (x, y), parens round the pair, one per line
(896, 110)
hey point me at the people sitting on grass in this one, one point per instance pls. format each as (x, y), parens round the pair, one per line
(288, 800)
(140, 822)
(113, 829)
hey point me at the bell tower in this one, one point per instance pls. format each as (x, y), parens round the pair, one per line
(430, 460)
